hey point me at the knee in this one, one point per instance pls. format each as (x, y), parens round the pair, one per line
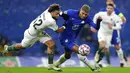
(50, 45)
(102, 46)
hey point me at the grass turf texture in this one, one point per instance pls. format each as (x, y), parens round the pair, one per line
(64, 70)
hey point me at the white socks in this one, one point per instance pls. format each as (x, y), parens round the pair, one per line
(86, 61)
(120, 55)
(61, 60)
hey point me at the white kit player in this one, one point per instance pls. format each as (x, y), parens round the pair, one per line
(110, 21)
(35, 32)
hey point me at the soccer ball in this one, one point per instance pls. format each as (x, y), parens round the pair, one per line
(84, 49)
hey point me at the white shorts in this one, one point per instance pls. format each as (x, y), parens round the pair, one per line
(105, 37)
(29, 40)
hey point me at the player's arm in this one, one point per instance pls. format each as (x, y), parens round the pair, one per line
(96, 16)
(118, 23)
(61, 29)
(55, 28)
(66, 14)
(97, 19)
(120, 15)
(117, 27)
(92, 24)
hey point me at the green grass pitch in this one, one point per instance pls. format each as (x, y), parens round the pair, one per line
(64, 70)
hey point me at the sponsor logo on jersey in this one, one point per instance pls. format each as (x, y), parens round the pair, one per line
(75, 27)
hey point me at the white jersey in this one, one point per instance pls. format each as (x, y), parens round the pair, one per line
(42, 22)
(113, 19)
(36, 32)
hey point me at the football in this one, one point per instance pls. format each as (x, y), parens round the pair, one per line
(84, 49)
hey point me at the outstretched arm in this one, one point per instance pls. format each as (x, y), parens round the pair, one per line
(61, 29)
(122, 17)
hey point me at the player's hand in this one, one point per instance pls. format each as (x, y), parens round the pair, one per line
(110, 26)
(93, 29)
(59, 30)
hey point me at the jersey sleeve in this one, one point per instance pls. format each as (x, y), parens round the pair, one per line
(53, 25)
(69, 12)
(97, 21)
(66, 14)
(91, 23)
(96, 17)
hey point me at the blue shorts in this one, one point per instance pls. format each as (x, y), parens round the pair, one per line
(68, 44)
(115, 38)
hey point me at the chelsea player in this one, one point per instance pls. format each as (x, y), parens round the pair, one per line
(74, 22)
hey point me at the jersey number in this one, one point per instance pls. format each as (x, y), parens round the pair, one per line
(37, 23)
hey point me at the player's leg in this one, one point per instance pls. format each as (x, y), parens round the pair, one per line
(108, 44)
(68, 44)
(50, 51)
(108, 57)
(101, 51)
(120, 55)
(91, 64)
(117, 45)
(63, 58)
(47, 40)
(93, 67)
(26, 42)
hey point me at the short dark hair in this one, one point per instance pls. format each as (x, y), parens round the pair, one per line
(111, 5)
(54, 7)
(85, 8)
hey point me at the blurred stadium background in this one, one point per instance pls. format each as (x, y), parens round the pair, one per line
(16, 15)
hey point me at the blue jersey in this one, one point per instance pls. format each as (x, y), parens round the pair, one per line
(74, 24)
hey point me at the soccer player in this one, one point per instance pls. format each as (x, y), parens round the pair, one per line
(35, 32)
(74, 22)
(110, 22)
(116, 35)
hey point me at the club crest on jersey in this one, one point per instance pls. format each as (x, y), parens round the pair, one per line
(72, 18)
(66, 40)
(75, 27)
(83, 22)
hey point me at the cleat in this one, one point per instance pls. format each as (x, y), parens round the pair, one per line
(95, 70)
(98, 68)
(56, 64)
(52, 67)
(121, 64)
(100, 65)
